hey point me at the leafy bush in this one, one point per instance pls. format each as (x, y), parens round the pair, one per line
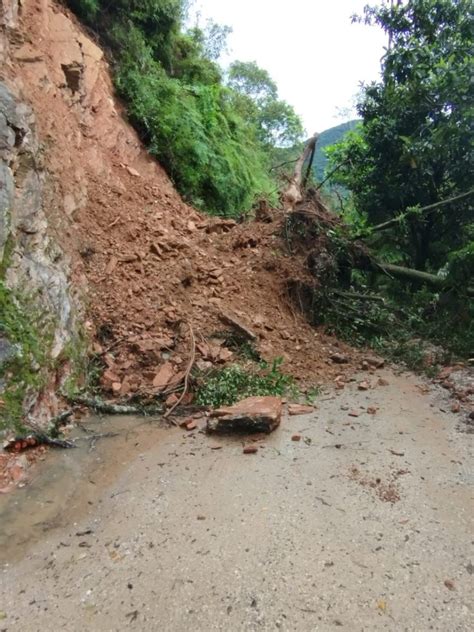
(233, 383)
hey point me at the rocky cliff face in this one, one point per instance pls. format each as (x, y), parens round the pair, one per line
(61, 135)
(40, 306)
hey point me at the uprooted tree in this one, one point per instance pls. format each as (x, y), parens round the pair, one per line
(405, 231)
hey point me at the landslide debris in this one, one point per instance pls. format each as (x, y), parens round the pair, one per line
(251, 415)
(148, 266)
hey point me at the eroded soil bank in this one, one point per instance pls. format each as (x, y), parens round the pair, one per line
(365, 524)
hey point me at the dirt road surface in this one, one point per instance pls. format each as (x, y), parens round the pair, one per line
(364, 524)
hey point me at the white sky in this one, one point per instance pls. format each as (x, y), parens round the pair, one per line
(310, 48)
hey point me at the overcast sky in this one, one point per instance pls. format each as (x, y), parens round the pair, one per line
(309, 47)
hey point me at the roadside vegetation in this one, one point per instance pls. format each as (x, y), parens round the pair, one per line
(215, 135)
(27, 339)
(226, 386)
(412, 150)
(400, 179)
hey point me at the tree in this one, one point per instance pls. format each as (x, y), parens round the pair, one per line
(255, 96)
(212, 38)
(415, 144)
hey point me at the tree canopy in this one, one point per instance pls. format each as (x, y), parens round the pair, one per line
(415, 144)
(255, 97)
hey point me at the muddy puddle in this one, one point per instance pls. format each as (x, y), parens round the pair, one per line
(69, 483)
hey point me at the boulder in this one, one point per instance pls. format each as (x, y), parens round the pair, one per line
(254, 414)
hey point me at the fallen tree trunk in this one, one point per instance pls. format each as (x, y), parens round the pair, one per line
(409, 274)
(293, 194)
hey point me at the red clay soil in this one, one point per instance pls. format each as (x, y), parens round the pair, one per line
(14, 468)
(150, 265)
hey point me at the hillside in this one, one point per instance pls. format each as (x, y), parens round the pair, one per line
(110, 257)
(329, 137)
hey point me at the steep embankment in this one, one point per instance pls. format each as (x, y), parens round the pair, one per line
(127, 251)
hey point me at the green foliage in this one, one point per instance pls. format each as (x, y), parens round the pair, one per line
(85, 369)
(312, 394)
(240, 345)
(175, 97)
(326, 139)
(415, 144)
(233, 383)
(255, 97)
(406, 324)
(31, 338)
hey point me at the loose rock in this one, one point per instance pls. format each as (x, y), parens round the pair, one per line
(299, 409)
(254, 414)
(250, 449)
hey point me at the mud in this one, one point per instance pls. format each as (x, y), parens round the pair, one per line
(363, 524)
(68, 484)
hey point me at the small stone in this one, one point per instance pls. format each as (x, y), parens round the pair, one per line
(449, 584)
(372, 410)
(133, 172)
(299, 409)
(250, 449)
(171, 400)
(455, 407)
(339, 358)
(108, 379)
(201, 517)
(353, 413)
(191, 425)
(364, 386)
(374, 363)
(296, 437)
(164, 376)
(382, 382)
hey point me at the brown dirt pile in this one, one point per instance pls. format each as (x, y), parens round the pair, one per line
(149, 264)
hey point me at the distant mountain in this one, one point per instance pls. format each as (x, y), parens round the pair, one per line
(329, 137)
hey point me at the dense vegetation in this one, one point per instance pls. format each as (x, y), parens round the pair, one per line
(414, 149)
(218, 137)
(215, 140)
(326, 139)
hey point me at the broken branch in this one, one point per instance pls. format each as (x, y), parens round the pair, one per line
(293, 194)
(187, 374)
(424, 209)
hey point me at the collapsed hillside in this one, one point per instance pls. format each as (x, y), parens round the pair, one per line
(142, 264)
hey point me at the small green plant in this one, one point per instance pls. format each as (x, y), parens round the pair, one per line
(312, 394)
(243, 347)
(23, 372)
(228, 385)
(86, 369)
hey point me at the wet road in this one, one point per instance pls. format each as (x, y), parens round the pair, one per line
(364, 524)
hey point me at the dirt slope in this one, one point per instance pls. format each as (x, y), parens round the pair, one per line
(149, 264)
